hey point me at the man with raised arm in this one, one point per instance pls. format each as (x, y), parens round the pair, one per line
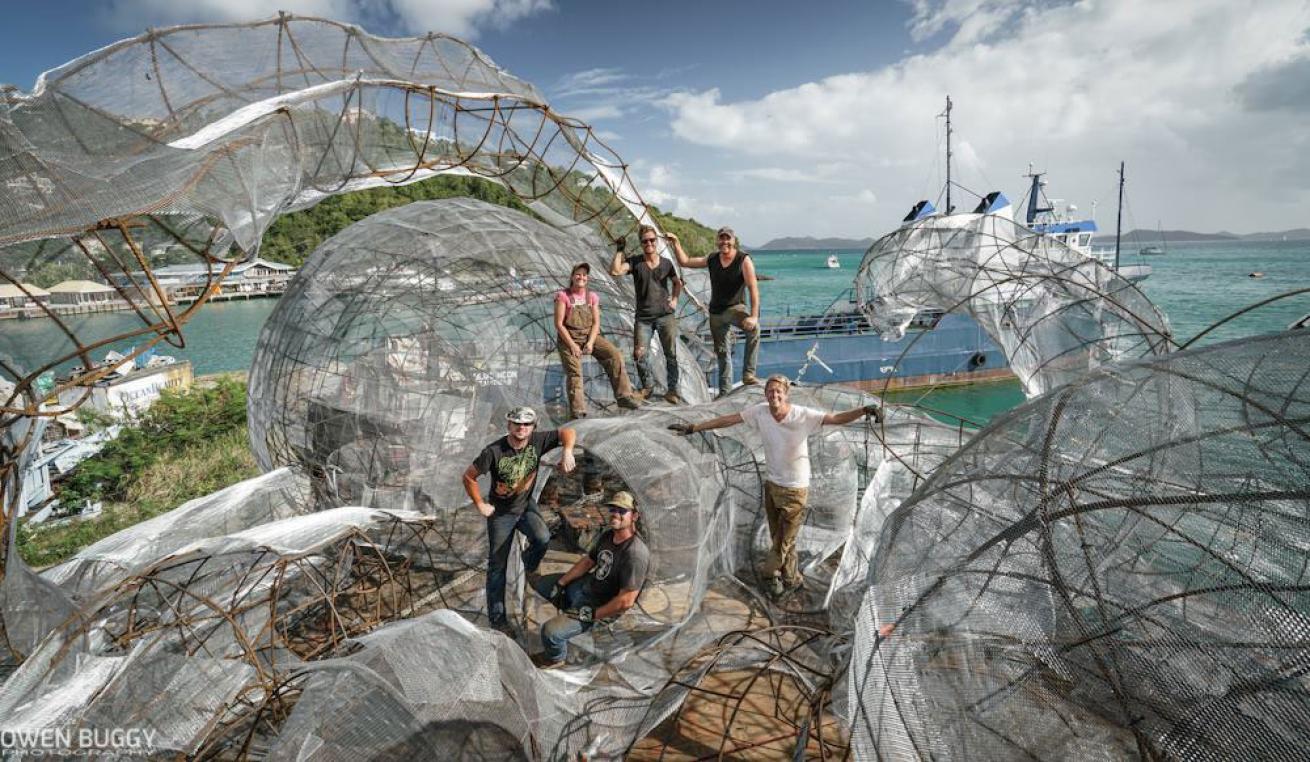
(785, 430)
(732, 276)
(512, 462)
(601, 585)
(657, 287)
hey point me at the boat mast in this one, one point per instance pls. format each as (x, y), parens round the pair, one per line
(1119, 217)
(947, 113)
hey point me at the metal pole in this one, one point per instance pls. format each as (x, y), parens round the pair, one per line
(949, 208)
(1119, 218)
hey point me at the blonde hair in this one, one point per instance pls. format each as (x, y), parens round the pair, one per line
(778, 378)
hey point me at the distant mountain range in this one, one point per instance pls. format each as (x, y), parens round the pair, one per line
(1140, 237)
(1153, 236)
(808, 242)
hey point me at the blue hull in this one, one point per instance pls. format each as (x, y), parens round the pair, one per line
(949, 349)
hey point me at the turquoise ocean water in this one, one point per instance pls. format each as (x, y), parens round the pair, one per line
(1195, 284)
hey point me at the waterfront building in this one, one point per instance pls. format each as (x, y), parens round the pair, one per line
(21, 300)
(85, 296)
(187, 282)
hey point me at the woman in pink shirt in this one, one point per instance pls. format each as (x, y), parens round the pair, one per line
(577, 321)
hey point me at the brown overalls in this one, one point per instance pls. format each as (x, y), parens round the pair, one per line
(577, 321)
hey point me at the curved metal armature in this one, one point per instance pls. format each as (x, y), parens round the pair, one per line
(763, 693)
(183, 144)
(1056, 313)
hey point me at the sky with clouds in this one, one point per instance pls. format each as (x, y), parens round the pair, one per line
(821, 118)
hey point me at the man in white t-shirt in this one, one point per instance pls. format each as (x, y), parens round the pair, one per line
(785, 429)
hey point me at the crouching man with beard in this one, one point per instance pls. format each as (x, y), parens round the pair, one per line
(601, 585)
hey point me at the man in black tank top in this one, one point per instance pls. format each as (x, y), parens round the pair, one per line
(732, 276)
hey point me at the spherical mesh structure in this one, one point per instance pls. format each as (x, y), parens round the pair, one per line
(1117, 568)
(1055, 312)
(397, 351)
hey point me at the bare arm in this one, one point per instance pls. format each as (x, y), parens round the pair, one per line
(723, 421)
(619, 264)
(471, 487)
(853, 414)
(595, 328)
(564, 334)
(752, 286)
(576, 571)
(616, 605)
(683, 259)
(567, 437)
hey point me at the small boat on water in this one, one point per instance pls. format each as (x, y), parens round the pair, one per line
(1153, 250)
(833, 262)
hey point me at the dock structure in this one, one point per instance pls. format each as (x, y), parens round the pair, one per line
(179, 284)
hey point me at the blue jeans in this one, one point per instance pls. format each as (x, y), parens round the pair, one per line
(500, 537)
(557, 631)
(667, 327)
(721, 324)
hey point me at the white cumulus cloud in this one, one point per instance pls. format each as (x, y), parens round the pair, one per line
(462, 18)
(1194, 94)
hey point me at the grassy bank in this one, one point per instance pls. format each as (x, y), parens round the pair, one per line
(187, 445)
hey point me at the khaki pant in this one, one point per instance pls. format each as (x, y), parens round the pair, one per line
(577, 322)
(609, 358)
(785, 509)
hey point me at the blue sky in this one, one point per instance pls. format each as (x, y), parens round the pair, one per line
(819, 118)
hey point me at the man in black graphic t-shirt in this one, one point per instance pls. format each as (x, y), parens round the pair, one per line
(657, 287)
(512, 463)
(601, 585)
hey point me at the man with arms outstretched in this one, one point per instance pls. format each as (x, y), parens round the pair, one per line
(785, 430)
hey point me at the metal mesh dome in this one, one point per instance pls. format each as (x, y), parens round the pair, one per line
(1115, 569)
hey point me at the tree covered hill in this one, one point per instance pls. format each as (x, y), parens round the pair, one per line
(292, 237)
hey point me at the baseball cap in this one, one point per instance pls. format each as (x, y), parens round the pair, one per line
(622, 500)
(522, 414)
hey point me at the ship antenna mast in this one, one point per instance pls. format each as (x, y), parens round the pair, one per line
(1119, 217)
(947, 114)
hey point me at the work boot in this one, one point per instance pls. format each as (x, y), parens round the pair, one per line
(643, 393)
(673, 399)
(750, 380)
(629, 402)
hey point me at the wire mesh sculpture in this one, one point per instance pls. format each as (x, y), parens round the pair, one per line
(402, 344)
(1055, 312)
(1116, 569)
(183, 144)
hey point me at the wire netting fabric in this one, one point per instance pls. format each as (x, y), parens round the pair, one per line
(185, 143)
(1117, 568)
(395, 354)
(1056, 313)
